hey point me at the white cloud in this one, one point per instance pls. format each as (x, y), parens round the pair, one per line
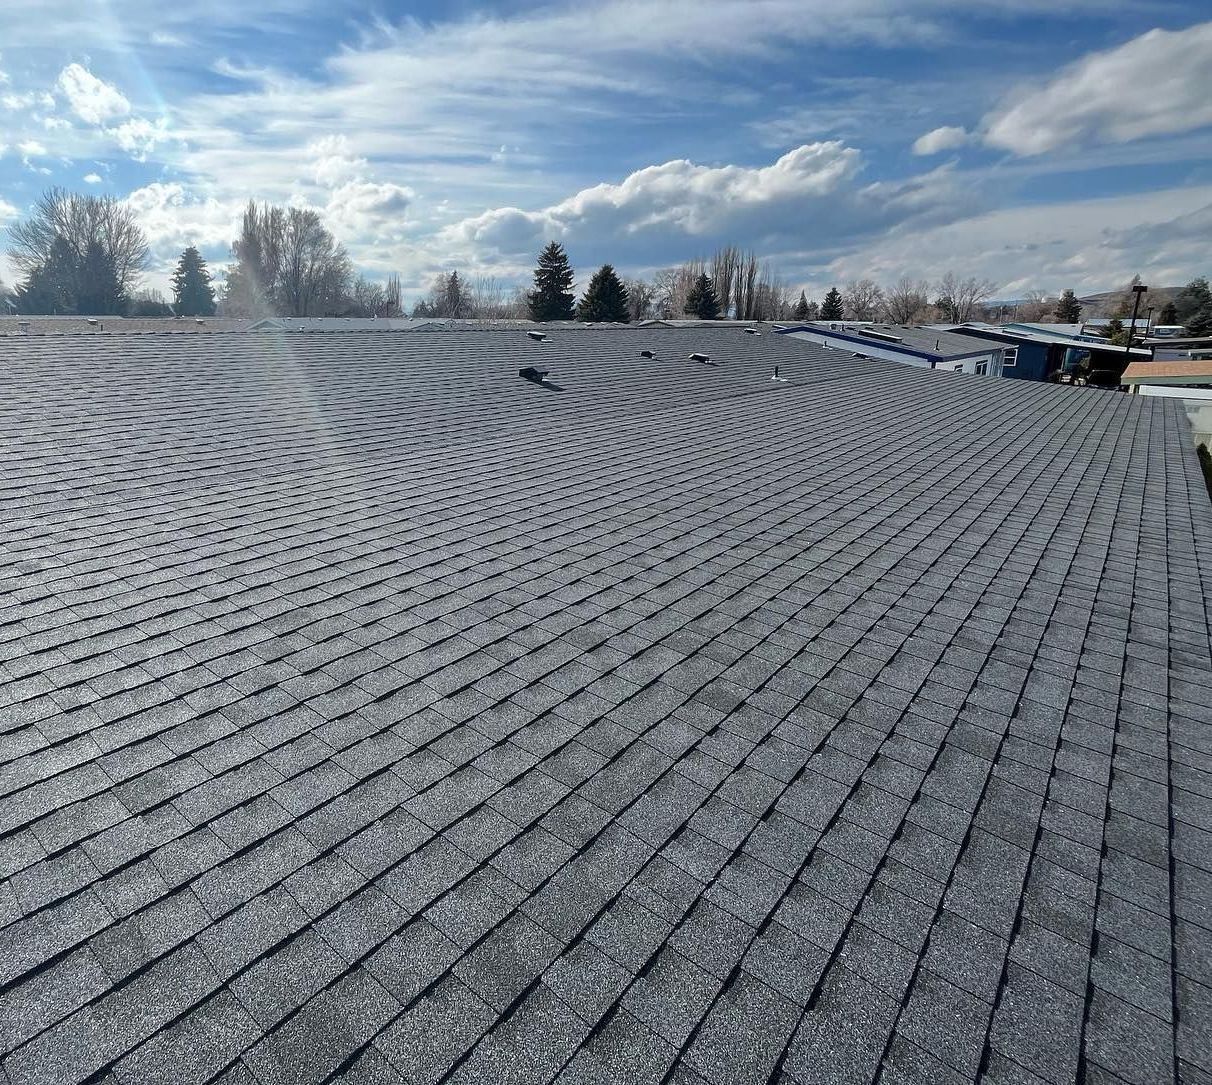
(1051, 246)
(93, 179)
(368, 211)
(31, 148)
(333, 162)
(173, 216)
(93, 100)
(34, 99)
(1156, 84)
(678, 198)
(940, 139)
(139, 136)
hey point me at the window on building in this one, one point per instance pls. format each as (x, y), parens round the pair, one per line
(982, 368)
(1010, 357)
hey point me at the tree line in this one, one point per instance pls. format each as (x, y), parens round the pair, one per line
(87, 254)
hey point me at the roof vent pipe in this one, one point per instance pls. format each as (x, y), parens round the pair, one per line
(538, 337)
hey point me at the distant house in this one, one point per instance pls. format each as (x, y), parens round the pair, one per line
(1038, 354)
(923, 348)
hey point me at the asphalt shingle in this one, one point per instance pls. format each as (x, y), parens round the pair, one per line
(370, 714)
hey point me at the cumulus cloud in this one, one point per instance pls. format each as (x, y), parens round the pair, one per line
(361, 208)
(139, 136)
(678, 198)
(91, 99)
(1156, 84)
(92, 179)
(174, 216)
(332, 161)
(940, 139)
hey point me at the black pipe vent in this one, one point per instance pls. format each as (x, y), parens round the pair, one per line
(647, 354)
(533, 373)
(538, 337)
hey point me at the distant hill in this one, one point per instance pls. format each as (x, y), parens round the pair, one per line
(1101, 304)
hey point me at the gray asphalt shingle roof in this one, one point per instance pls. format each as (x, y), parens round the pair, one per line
(369, 713)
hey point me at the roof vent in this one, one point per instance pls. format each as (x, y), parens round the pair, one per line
(871, 333)
(538, 337)
(533, 373)
(697, 357)
(23, 325)
(752, 331)
(93, 321)
(647, 354)
(199, 320)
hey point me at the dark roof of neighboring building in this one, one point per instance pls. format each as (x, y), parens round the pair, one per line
(373, 714)
(920, 341)
(1025, 334)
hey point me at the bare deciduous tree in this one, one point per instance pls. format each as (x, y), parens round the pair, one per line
(958, 298)
(863, 300)
(907, 301)
(1035, 306)
(100, 223)
(287, 264)
(393, 297)
(641, 299)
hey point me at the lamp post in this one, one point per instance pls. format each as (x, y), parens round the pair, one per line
(1137, 290)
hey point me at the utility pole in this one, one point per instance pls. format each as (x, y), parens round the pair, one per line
(1137, 290)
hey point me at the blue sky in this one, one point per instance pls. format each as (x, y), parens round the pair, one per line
(1036, 144)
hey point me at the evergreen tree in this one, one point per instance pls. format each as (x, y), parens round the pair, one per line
(1117, 334)
(192, 290)
(701, 300)
(552, 297)
(1193, 297)
(100, 292)
(800, 312)
(1169, 315)
(605, 298)
(454, 301)
(1200, 324)
(50, 287)
(1068, 309)
(833, 307)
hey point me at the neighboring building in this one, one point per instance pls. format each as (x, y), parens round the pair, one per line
(104, 325)
(369, 713)
(339, 324)
(923, 348)
(1180, 347)
(1040, 355)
